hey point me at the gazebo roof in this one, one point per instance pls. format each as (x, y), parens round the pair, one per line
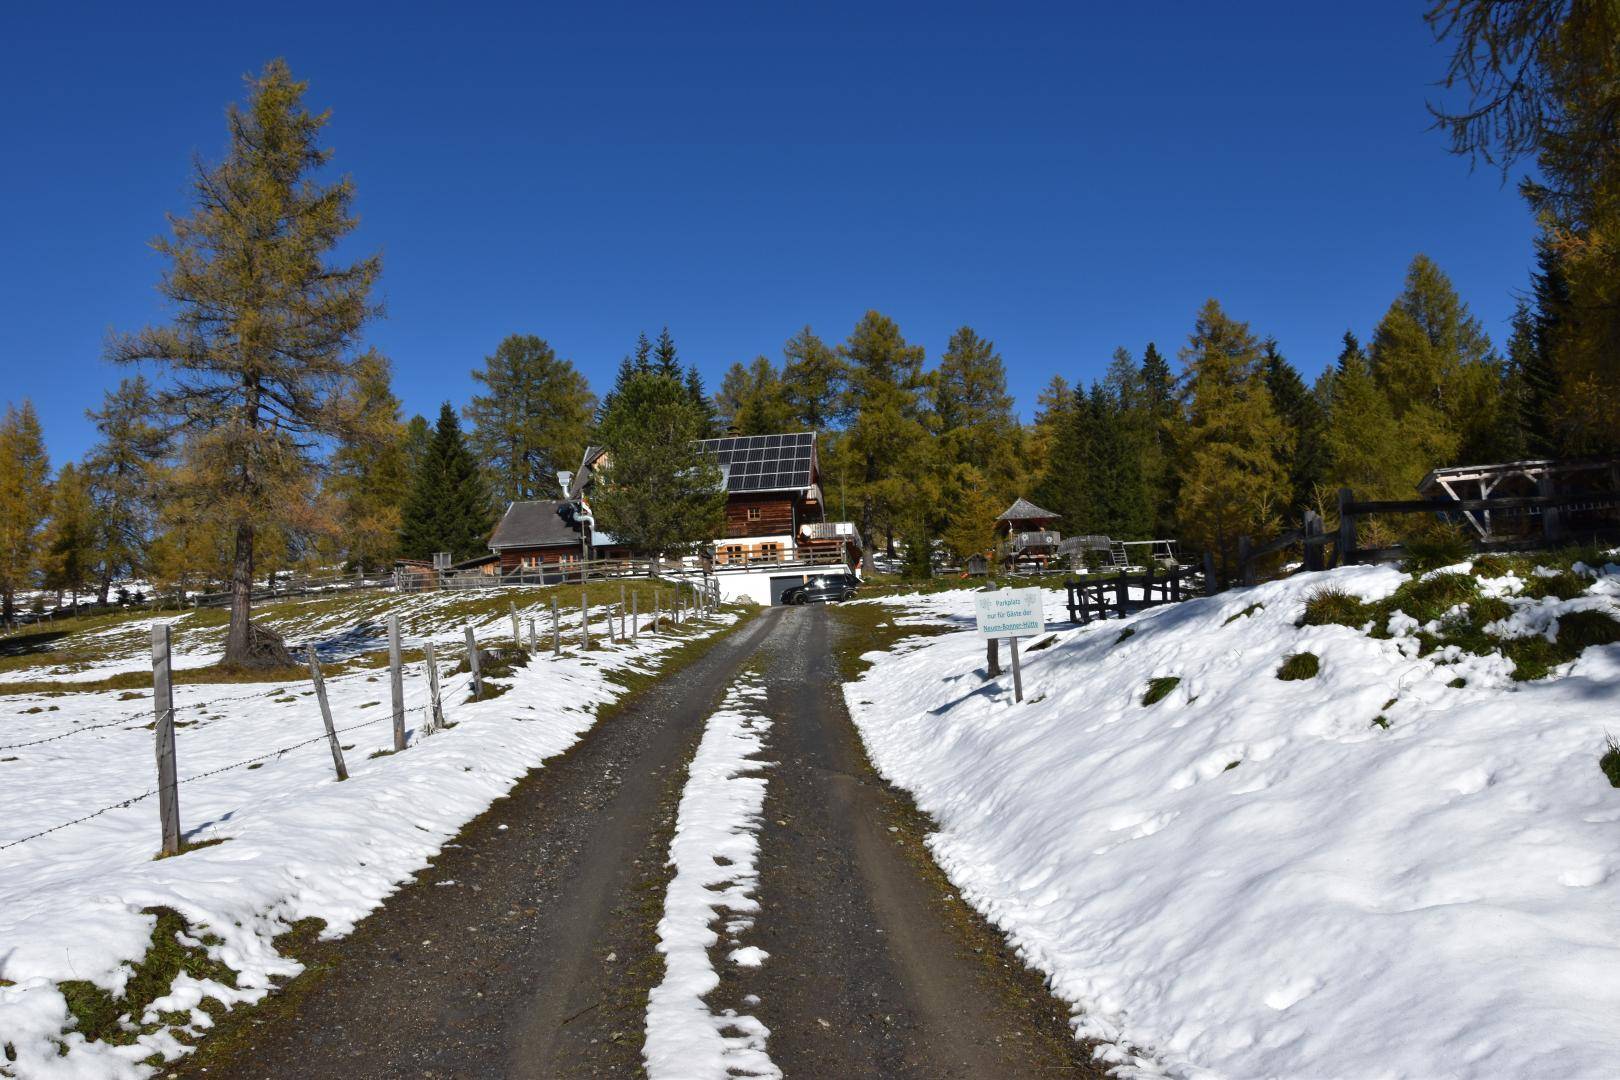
(1024, 510)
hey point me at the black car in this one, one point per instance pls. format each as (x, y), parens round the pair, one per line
(823, 589)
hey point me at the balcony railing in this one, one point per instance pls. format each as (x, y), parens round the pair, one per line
(828, 530)
(1044, 538)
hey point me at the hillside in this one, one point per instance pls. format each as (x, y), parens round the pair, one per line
(1245, 845)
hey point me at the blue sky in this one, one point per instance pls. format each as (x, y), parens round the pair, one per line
(1064, 178)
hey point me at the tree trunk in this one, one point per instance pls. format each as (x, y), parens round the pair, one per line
(239, 639)
(8, 606)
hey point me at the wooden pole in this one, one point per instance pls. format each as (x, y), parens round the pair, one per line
(1211, 586)
(472, 665)
(584, 622)
(396, 682)
(1245, 566)
(1122, 596)
(621, 610)
(992, 658)
(1347, 528)
(1018, 676)
(534, 638)
(658, 605)
(556, 630)
(436, 708)
(635, 617)
(517, 630)
(326, 712)
(163, 707)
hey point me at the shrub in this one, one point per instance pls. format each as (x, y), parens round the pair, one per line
(1297, 666)
(1333, 606)
(1158, 689)
(1435, 543)
(1610, 762)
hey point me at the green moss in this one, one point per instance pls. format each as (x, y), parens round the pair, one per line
(1159, 688)
(1330, 606)
(1297, 666)
(1250, 610)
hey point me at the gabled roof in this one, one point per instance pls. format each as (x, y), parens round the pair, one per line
(1024, 510)
(536, 523)
(576, 484)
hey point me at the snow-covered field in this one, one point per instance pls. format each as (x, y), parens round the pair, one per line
(715, 853)
(1250, 877)
(296, 844)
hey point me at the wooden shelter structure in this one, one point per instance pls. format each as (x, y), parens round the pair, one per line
(1027, 533)
(1596, 479)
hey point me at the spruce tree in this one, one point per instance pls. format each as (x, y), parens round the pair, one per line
(1302, 414)
(657, 493)
(1159, 475)
(25, 502)
(1232, 453)
(1120, 507)
(260, 355)
(665, 360)
(813, 380)
(702, 404)
(1067, 487)
(124, 469)
(449, 507)
(533, 419)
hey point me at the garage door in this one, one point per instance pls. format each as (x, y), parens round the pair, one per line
(780, 585)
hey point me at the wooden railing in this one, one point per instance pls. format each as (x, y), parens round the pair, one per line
(1090, 600)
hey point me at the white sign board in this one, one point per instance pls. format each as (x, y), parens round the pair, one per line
(1010, 613)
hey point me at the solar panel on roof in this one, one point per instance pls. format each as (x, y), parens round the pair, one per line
(763, 462)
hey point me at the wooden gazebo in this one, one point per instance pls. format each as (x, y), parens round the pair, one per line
(1027, 532)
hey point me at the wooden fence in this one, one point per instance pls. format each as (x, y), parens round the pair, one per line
(1322, 550)
(1090, 600)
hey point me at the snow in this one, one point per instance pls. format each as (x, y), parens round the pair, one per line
(1248, 878)
(714, 852)
(296, 845)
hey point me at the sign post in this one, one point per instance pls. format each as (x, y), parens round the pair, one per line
(1010, 614)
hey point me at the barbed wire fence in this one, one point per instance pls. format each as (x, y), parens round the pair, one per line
(438, 703)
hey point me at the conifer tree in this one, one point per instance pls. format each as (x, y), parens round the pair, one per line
(533, 419)
(972, 504)
(1052, 405)
(371, 472)
(813, 380)
(1159, 476)
(976, 422)
(25, 501)
(123, 471)
(753, 401)
(1067, 487)
(1233, 451)
(1304, 418)
(657, 493)
(449, 507)
(665, 360)
(702, 403)
(70, 539)
(1119, 504)
(887, 435)
(418, 437)
(260, 354)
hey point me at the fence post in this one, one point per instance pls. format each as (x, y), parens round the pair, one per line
(621, 610)
(1245, 567)
(992, 658)
(326, 712)
(1313, 529)
(658, 606)
(1122, 595)
(436, 708)
(584, 622)
(1018, 676)
(472, 665)
(517, 629)
(396, 682)
(1175, 584)
(534, 638)
(1347, 528)
(1552, 519)
(556, 630)
(635, 618)
(163, 706)
(1211, 586)
(1147, 583)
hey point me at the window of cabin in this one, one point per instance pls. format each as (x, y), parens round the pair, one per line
(753, 513)
(732, 553)
(770, 552)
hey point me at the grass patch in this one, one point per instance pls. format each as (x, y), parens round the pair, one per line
(1297, 666)
(1158, 689)
(1436, 543)
(187, 846)
(1125, 634)
(1610, 762)
(1045, 643)
(1332, 606)
(1245, 613)
(1381, 721)
(1577, 630)
(98, 1014)
(1563, 585)
(1457, 683)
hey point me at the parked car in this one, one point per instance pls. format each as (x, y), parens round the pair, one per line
(823, 589)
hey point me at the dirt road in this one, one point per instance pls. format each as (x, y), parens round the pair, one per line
(536, 962)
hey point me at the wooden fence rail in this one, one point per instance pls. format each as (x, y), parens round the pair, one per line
(1090, 600)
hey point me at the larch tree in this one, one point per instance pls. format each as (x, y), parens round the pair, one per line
(69, 547)
(370, 473)
(888, 437)
(1234, 449)
(260, 357)
(814, 380)
(533, 419)
(25, 502)
(753, 401)
(976, 423)
(449, 507)
(124, 469)
(657, 493)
